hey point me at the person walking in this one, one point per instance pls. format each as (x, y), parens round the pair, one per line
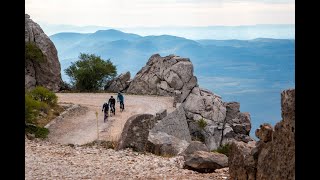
(105, 109)
(120, 99)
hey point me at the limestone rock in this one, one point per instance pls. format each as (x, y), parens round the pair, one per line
(195, 146)
(44, 72)
(164, 76)
(203, 161)
(120, 83)
(242, 165)
(277, 158)
(273, 157)
(135, 132)
(161, 143)
(173, 76)
(174, 124)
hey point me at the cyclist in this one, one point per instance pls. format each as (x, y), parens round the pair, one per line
(120, 99)
(105, 108)
(112, 103)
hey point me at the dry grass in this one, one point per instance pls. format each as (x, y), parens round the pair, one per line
(53, 113)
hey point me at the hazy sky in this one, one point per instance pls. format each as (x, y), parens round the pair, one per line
(146, 13)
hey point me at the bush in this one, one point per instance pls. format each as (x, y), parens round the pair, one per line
(202, 123)
(33, 53)
(225, 149)
(90, 72)
(42, 94)
(39, 132)
(32, 108)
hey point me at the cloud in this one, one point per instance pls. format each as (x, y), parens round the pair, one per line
(130, 13)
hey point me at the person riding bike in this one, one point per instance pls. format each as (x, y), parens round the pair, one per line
(112, 103)
(105, 108)
(120, 99)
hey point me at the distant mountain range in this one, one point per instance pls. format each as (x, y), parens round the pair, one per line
(244, 32)
(253, 72)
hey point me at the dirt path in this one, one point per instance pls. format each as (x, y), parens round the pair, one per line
(81, 126)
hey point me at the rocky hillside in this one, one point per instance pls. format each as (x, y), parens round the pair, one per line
(273, 156)
(42, 67)
(208, 118)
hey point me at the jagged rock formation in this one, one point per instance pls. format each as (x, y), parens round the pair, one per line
(42, 67)
(173, 76)
(168, 75)
(273, 157)
(203, 161)
(120, 83)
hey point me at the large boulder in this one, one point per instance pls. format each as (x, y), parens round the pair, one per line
(203, 105)
(165, 76)
(203, 161)
(120, 83)
(242, 165)
(160, 143)
(42, 67)
(193, 147)
(273, 157)
(135, 132)
(174, 124)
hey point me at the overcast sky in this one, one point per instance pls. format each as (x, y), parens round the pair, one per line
(153, 13)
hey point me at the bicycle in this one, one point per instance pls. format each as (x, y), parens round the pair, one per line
(105, 117)
(121, 106)
(112, 110)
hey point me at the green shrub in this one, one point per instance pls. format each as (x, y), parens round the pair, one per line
(39, 132)
(33, 53)
(90, 72)
(32, 108)
(225, 149)
(42, 94)
(202, 123)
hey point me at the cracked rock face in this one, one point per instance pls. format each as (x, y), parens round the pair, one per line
(120, 83)
(45, 73)
(173, 76)
(165, 76)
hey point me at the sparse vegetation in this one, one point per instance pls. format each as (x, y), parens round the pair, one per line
(202, 123)
(40, 108)
(42, 94)
(39, 132)
(104, 144)
(90, 72)
(33, 53)
(197, 136)
(224, 149)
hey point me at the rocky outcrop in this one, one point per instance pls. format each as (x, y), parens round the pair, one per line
(273, 156)
(203, 161)
(120, 83)
(174, 124)
(42, 67)
(161, 143)
(173, 76)
(202, 105)
(135, 132)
